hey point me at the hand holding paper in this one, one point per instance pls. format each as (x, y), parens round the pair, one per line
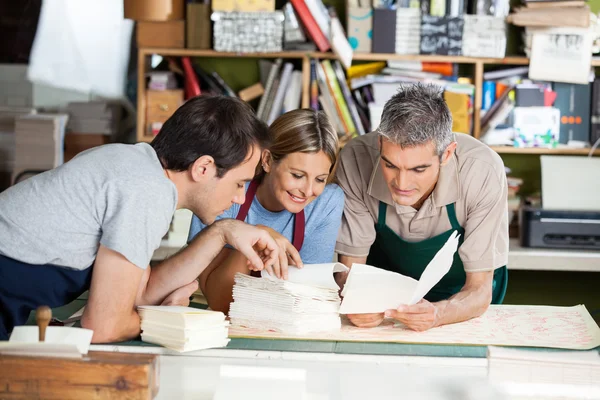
(373, 290)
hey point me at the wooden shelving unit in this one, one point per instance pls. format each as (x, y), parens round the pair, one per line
(478, 63)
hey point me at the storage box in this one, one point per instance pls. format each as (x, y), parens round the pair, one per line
(360, 28)
(484, 36)
(75, 143)
(198, 26)
(160, 105)
(248, 32)
(442, 35)
(243, 5)
(408, 31)
(384, 30)
(161, 34)
(153, 10)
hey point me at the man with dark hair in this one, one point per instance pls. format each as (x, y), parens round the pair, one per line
(95, 221)
(409, 186)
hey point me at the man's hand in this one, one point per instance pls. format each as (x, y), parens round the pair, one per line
(288, 255)
(181, 296)
(366, 320)
(254, 243)
(418, 317)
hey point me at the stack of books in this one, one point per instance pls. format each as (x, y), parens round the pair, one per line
(307, 302)
(183, 328)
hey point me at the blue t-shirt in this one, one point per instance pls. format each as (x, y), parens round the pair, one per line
(322, 216)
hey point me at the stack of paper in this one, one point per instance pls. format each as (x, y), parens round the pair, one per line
(373, 290)
(308, 301)
(99, 117)
(537, 373)
(39, 142)
(183, 328)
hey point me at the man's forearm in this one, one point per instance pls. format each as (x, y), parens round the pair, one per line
(185, 266)
(469, 303)
(126, 328)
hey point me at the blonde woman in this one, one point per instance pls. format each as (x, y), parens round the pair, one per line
(291, 197)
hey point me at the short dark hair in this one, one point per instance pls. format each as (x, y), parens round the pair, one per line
(222, 127)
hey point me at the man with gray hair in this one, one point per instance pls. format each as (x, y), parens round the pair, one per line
(409, 185)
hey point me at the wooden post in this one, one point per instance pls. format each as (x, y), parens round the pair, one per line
(478, 98)
(306, 81)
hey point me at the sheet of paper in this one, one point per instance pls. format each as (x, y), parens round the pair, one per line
(373, 290)
(79, 337)
(583, 192)
(436, 269)
(370, 290)
(570, 328)
(320, 275)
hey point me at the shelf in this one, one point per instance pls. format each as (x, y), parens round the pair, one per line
(531, 259)
(357, 56)
(539, 151)
(212, 53)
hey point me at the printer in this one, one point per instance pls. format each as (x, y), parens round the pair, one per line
(559, 229)
(570, 214)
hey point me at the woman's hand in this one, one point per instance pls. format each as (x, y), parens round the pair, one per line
(288, 255)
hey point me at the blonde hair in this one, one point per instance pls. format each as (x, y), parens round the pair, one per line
(303, 131)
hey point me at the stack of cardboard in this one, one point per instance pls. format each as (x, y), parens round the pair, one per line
(39, 142)
(90, 124)
(8, 116)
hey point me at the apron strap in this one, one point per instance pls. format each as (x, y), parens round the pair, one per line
(452, 217)
(299, 220)
(250, 193)
(382, 215)
(298, 236)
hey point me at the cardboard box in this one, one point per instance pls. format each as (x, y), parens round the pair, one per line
(153, 10)
(75, 143)
(360, 29)
(161, 104)
(243, 5)
(198, 26)
(161, 34)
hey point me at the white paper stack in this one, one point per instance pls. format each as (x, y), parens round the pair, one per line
(544, 374)
(183, 328)
(308, 301)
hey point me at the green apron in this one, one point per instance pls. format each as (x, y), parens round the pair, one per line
(394, 254)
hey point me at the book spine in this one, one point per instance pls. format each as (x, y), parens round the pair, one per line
(311, 25)
(338, 96)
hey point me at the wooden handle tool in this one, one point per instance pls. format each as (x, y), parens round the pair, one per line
(43, 315)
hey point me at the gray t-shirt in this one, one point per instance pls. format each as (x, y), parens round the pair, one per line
(116, 195)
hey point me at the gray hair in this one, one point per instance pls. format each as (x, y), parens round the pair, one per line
(417, 115)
